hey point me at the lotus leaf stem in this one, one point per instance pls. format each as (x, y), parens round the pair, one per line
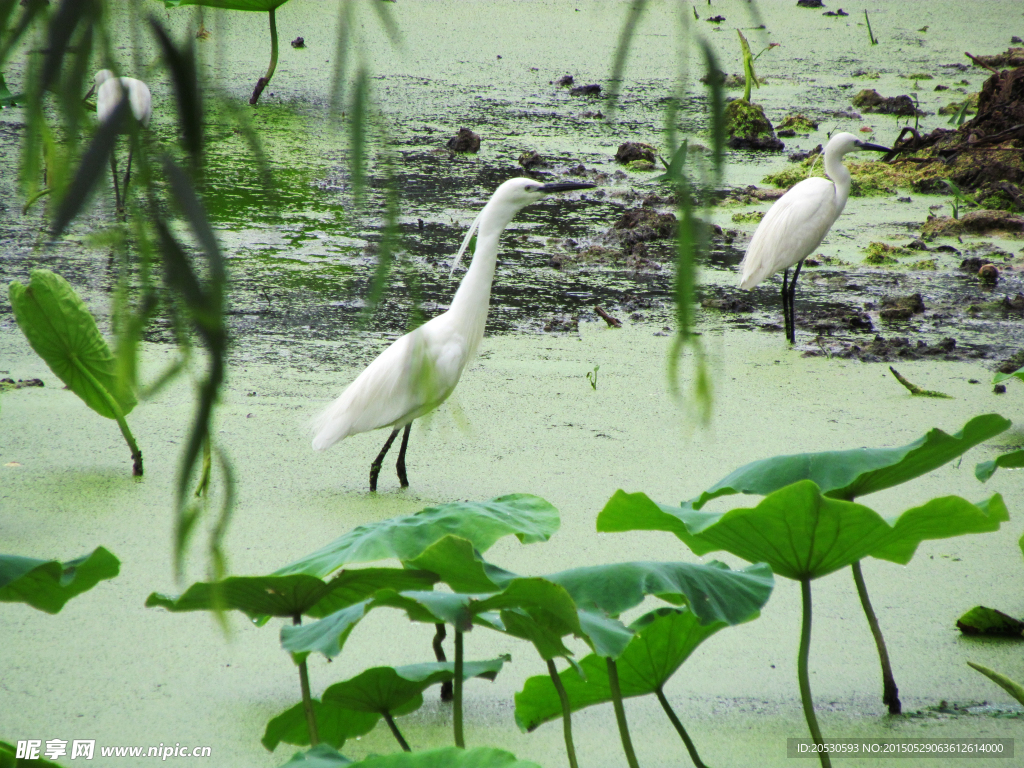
(620, 713)
(265, 80)
(118, 415)
(395, 732)
(805, 682)
(563, 697)
(460, 740)
(307, 701)
(439, 636)
(890, 693)
(690, 746)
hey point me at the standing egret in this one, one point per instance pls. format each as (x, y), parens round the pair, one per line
(110, 90)
(419, 371)
(798, 222)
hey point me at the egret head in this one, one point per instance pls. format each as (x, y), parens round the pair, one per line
(102, 76)
(521, 192)
(508, 200)
(842, 143)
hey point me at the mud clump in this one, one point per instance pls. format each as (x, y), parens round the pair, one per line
(640, 225)
(871, 100)
(1012, 363)
(1012, 57)
(748, 128)
(631, 151)
(809, 4)
(727, 301)
(565, 81)
(6, 383)
(464, 141)
(898, 348)
(532, 160)
(975, 223)
(901, 307)
(754, 194)
(799, 123)
(562, 324)
(828, 322)
(586, 90)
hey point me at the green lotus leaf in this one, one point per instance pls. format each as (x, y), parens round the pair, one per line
(49, 584)
(334, 725)
(457, 563)
(292, 595)
(988, 621)
(9, 759)
(1001, 377)
(529, 518)
(857, 472)
(713, 591)
(327, 636)
(447, 757)
(801, 533)
(664, 640)
(1011, 460)
(398, 690)
(63, 332)
(320, 756)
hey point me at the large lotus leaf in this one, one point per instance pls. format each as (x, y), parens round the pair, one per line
(49, 584)
(9, 759)
(940, 518)
(293, 595)
(529, 518)
(544, 631)
(398, 690)
(457, 563)
(713, 591)
(327, 636)
(857, 472)
(230, 5)
(796, 530)
(607, 636)
(1011, 460)
(63, 332)
(665, 639)
(334, 724)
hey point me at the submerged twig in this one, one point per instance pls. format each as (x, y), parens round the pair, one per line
(916, 390)
(612, 321)
(981, 63)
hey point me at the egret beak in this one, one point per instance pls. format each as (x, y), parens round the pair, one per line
(90, 93)
(873, 147)
(566, 186)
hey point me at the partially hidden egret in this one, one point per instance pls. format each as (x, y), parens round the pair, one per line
(419, 371)
(110, 90)
(798, 222)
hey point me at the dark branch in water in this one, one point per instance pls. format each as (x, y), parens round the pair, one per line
(612, 321)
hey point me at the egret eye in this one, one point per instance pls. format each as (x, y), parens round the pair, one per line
(531, 188)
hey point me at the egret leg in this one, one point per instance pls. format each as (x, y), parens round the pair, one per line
(127, 175)
(400, 464)
(375, 467)
(785, 305)
(113, 172)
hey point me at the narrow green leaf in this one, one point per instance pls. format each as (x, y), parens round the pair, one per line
(181, 63)
(335, 725)
(357, 133)
(1011, 460)
(1001, 377)
(9, 759)
(48, 584)
(63, 332)
(262, 6)
(665, 639)
(1012, 687)
(633, 14)
(529, 518)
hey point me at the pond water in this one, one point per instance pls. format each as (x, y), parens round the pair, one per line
(524, 417)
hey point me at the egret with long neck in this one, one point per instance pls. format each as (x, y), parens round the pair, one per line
(798, 222)
(420, 370)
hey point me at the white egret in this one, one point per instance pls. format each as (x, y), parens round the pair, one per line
(419, 371)
(798, 222)
(110, 90)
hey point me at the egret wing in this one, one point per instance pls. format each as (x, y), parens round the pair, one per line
(790, 231)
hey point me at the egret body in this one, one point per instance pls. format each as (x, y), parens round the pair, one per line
(420, 370)
(798, 222)
(110, 90)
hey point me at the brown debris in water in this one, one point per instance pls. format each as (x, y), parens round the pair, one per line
(901, 307)
(975, 223)
(631, 151)
(464, 141)
(871, 100)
